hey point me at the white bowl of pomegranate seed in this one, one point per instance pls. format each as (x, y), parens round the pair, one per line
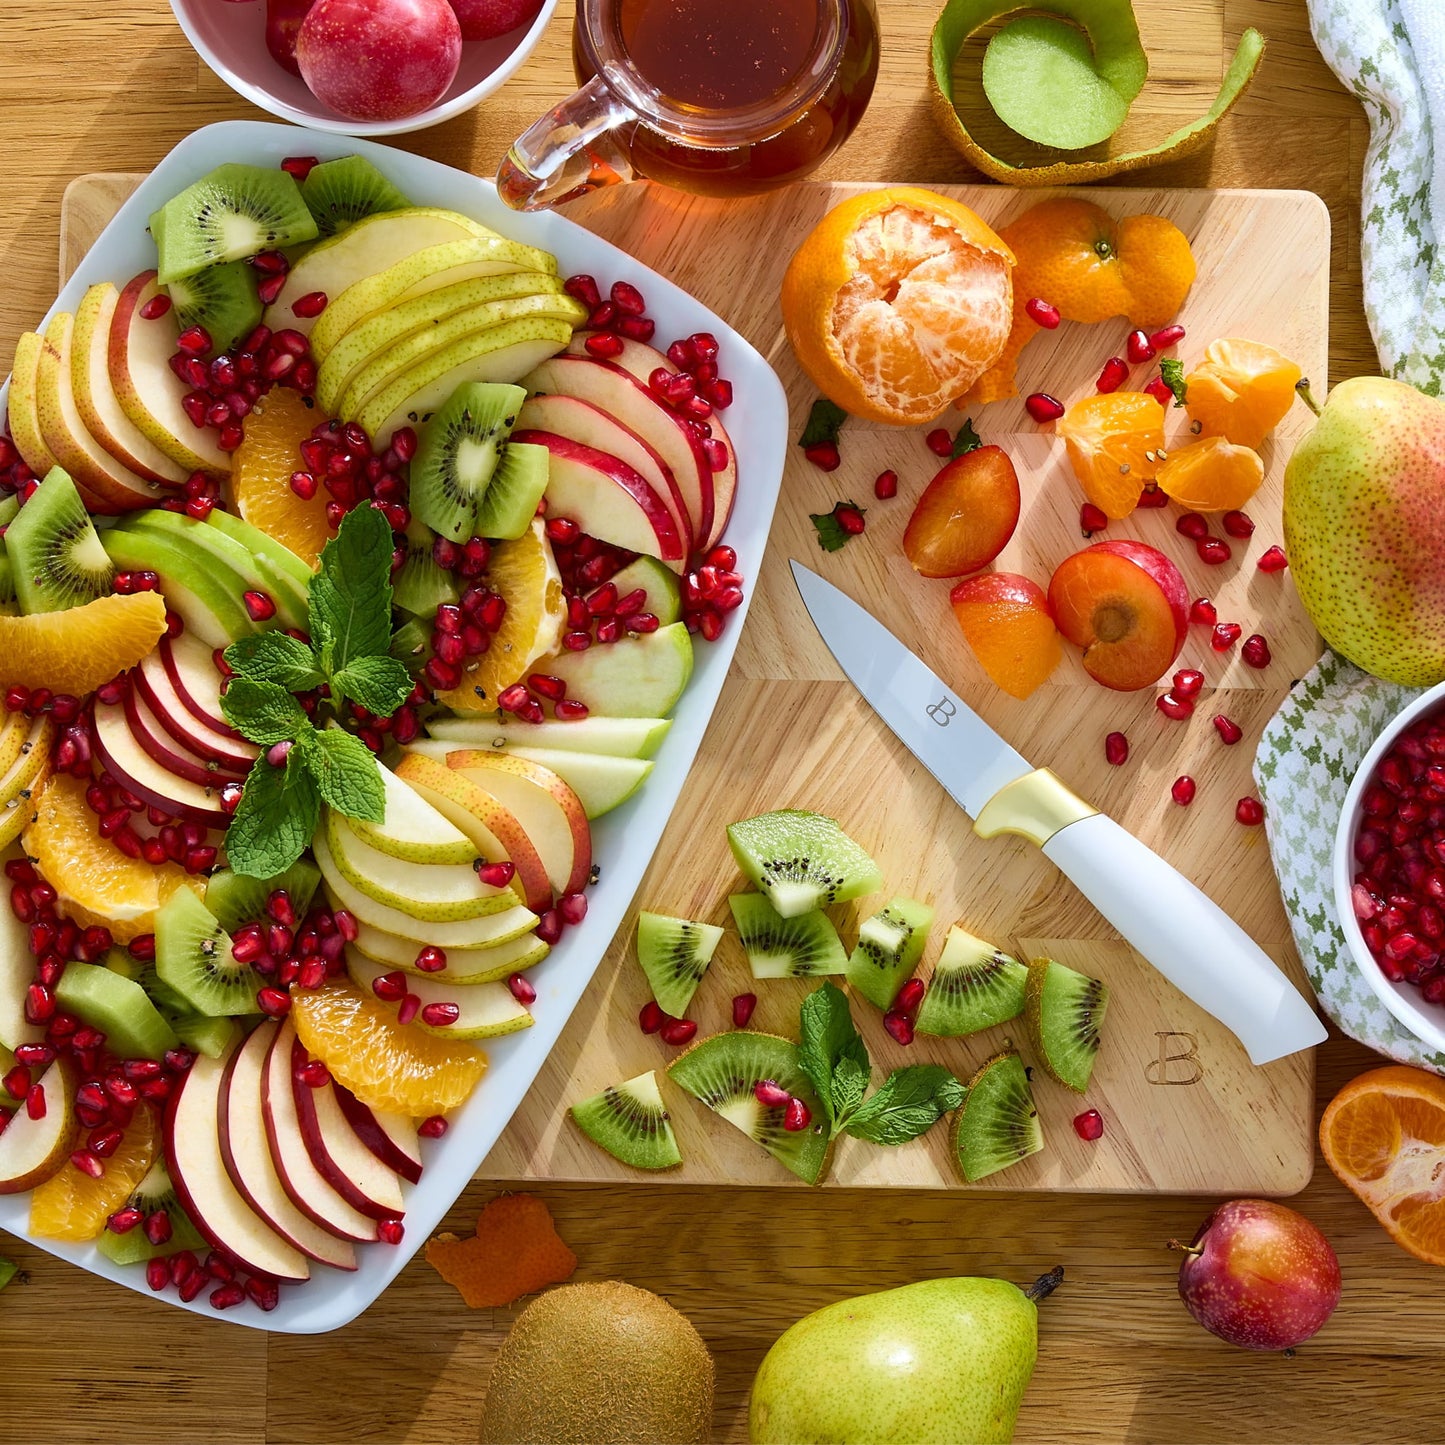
(1389, 867)
(251, 45)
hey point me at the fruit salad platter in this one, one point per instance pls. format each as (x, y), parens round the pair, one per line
(376, 577)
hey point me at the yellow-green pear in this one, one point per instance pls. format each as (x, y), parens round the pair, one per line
(945, 1360)
(1364, 528)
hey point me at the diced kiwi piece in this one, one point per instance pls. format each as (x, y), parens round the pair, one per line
(1064, 1011)
(8, 1101)
(231, 213)
(165, 998)
(664, 597)
(890, 943)
(420, 587)
(779, 947)
(974, 986)
(193, 958)
(236, 899)
(411, 644)
(211, 1037)
(223, 299)
(55, 550)
(723, 1071)
(674, 954)
(9, 508)
(344, 190)
(467, 480)
(997, 1124)
(118, 1007)
(630, 1122)
(801, 861)
(8, 1270)
(123, 962)
(154, 1192)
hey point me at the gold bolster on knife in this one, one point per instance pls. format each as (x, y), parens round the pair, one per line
(1034, 806)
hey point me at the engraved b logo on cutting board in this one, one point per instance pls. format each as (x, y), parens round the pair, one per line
(942, 711)
(1172, 1067)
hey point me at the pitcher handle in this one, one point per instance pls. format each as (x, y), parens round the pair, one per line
(568, 152)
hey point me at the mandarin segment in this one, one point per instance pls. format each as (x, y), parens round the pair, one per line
(261, 473)
(1115, 442)
(71, 1205)
(1211, 475)
(1241, 390)
(79, 648)
(1006, 620)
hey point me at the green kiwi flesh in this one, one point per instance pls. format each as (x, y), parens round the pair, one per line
(801, 861)
(974, 986)
(223, 299)
(194, 959)
(154, 1192)
(723, 1070)
(231, 213)
(674, 954)
(8, 1270)
(997, 1124)
(133, 1026)
(55, 551)
(411, 644)
(1064, 1013)
(630, 1122)
(420, 586)
(212, 1037)
(890, 943)
(8, 1102)
(236, 899)
(779, 947)
(340, 192)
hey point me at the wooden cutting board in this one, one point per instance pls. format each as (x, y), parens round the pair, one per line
(1184, 1109)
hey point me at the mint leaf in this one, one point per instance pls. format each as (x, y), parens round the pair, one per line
(965, 440)
(379, 684)
(828, 1040)
(351, 593)
(1172, 370)
(275, 657)
(346, 773)
(850, 1083)
(263, 711)
(824, 422)
(906, 1104)
(832, 534)
(276, 819)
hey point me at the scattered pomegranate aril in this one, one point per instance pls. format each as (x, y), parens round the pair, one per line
(850, 519)
(1089, 1125)
(441, 1015)
(1192, 525)
(1272, 559)
(1213, 551)
(158, 1275)
(1166, 336)
(313, 303)
(1139, 348)
(1225, 635)
(1042, 314)
(651, 1017)
(885, 485)
(909, 996)
(1256, 651)
(1116, 749)
(677, 1032)
(431, 959)
(227, 1296)
(1229, 731)
(939, 442)
(432, 1128)
(1113, 376)
(1177, 709)
(1203, 611)
(824, 456)
(796, 1116)
(603, 344)
(274, 1002)
(158, 1227)
(1092, 519)
(899, 1026)
(1042, 407)
(259, 606)
(1250, 812)
(743, 1006)
(771, 1095)
(1238, 524)
(314, 1074)
(390, 1231)
(1182, 790)
(497, 875)
(1188, 683)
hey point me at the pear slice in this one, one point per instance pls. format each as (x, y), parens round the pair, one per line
(618, 737)
(464, 965)
(487, 1009)
(412, 829)
(24, 416)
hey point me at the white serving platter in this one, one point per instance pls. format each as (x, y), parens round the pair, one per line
(625, 839)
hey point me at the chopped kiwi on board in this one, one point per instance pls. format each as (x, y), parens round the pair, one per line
(801, 861)
(674, 954)
(55, 553)
(779, 947)
(974, 986)
(997, 1124)
(890, 943)
(1064, 1012)
(340, 192)
(630, 1121)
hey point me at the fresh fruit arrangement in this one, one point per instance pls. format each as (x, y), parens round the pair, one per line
(352, 565)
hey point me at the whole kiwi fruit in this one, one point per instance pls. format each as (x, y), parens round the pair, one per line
(599, 1364)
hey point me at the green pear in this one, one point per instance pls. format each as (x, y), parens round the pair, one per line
(945, 1360)
(1364, 528)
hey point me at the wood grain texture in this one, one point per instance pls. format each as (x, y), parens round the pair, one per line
(1120, 1361)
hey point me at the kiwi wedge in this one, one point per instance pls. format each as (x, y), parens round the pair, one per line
(890, 943)
(231, 213)
(120, 1008)
(997, 1124)
(420, 586)
(467, 479)
(55, 553)
(630, 1122)
(674, 954)
(154, 1192)
(212, 1037)
(342, 191)
(801, 861)
(1064, 1011)
(194, 960)
(236, 899)
(779, 947)
(223, 299)
(723, 1070)
(974, 986)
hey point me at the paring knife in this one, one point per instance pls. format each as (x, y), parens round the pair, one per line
(1203, 952)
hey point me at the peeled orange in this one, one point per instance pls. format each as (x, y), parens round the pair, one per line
(1241, 390)
(261, 471)
(897, 301)
(72, 1205)
(1212, 475)
(1114, 441)
(76, 650)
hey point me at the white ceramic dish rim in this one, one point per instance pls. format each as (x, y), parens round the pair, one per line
(340, 125)
(331, 1299)
(1423, 1019)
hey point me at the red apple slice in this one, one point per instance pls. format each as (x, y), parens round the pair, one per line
(191, 667)
(392, 1138)
(158, 690)
(193, 1158)
(174, 757)
(135, 769)
(247, 1155)
(31, 1150)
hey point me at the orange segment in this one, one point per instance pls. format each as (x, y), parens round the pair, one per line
(261, 473)
(1114, 441)
(96, 882)
(76, 650)
(1212, 475)
(1383, 1134)
(1006, 620)
(387, 1065)
(898, 300)
(524, 574)
(1241, 390)
(72, 1205)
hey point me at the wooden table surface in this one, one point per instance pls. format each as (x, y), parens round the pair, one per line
(96, 85)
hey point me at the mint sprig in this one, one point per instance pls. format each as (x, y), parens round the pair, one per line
(1172, 370)
(965, 440)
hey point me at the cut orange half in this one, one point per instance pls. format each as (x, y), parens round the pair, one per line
(1114, 442)
(262, 468)
(1241, 390)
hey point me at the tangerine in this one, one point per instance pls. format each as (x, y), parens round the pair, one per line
(261, 472)
(1115, 442)
(72, 1205)
(79, 648)
(1212, 475)
(1241, 390)
(897, 301)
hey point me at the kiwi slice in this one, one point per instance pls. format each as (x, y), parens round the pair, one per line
(974, 986)
(1064, 1011)
(801, 861)
(997, 1124)
(664, 598)
(630, 1122)
(411, 644)
(779, 947)
(154, 1192)
(223, 299)
(194, 960)
(212, 1037)
(420, 587)
(118, 1007)
(235, 899)
(467, 480)
(724, 1070)
(674, 954)
(54, 550)
(231, 213)
(342, 191)
(889, 947)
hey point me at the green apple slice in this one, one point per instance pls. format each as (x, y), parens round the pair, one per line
(619, 737)
(464, 965)
(412, 830)
(207, 597)
(121, 1009)
(638, 676)
(487, 1009)
(271, 556)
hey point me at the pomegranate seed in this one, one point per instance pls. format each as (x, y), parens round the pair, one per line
(227, 1295)
(570, 710)
(1043, 407)
(34, 1056)
(650, 1017)
(1042, 314)
(1175, 708)
(899, 1026)
(184, 1264)
(1089, 1125)
(1229, 731)
(274, 1002)
(1092, 519)
(850, 519)
(390, 987)
(676, 1032)
(158, 1227)
(771, 1095)
(259, 607)
(743, 1006)
(219, 1267)
(104, 1142)
(797, 1116)
(313, 303)
(194, 340)
(824, 456)
(627, 298)
(125, 1220)
(1213, 551)
(440, 1015)
(39, 1003)
(603, 344)
(1188, 682)
(158, 1274)
(194, 1282)
(408, 1009)
(1192, 525)
(1183, 790)
(885, 485)
(1255, 651)
(584, 289)
(265, 1294)
(1202, 610)
(1250, 812)
(939, 442)
(1112, 377)
(1224, 636)
(1238, 524)
(390, 1231)
(315, 1074)
(156, 307)
(17, 1082)
(432, 1128)
(431, 959)
(1116, 749)
(1159, 390)
(1272, 560)
(572, 907)
(909, 996)
(1139, 348)
(1167, 336)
